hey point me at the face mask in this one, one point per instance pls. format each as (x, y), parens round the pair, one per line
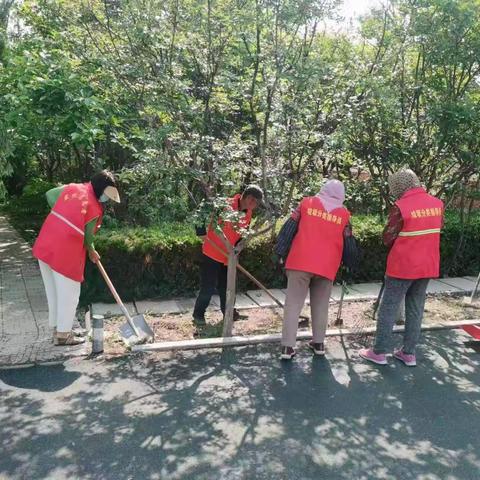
(103, 198)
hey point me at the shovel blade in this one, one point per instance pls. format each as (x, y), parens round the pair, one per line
(145, 332)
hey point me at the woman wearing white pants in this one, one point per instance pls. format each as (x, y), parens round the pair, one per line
(62, 297)
(62, 244)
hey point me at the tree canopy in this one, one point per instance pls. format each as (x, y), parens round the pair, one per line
(188, 99)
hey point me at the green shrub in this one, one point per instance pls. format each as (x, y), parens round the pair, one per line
(164, 261)
(460, 248)
(28, 210)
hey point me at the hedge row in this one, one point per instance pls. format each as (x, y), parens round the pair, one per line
(28, 211)
(162, 262)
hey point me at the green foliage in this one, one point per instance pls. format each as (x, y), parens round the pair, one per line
(196, 99)
(145, 262)
(164, 261)
(28, 211)
(416, 97)
(154, 194)
(460, 245)
(62, 121)
(190, 100)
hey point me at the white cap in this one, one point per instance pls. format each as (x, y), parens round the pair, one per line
(112, 193)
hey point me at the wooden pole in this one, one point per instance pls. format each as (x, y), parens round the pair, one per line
(231, 290)
(255, 281)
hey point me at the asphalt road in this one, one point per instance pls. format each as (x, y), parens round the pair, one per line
(243, 414)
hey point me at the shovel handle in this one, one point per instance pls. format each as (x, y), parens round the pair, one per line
(250, 277)
(117, 297)
(376, 304)
(263, 287)
(339, 319)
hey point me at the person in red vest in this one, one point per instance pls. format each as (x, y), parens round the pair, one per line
(413, 233)
(213, 269)
(313, 261)
(61, 247)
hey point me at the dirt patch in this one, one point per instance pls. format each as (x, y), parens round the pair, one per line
(356, 315)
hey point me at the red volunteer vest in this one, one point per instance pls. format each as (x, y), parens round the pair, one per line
(318, 245)
(60, 243)
(230, 231)
(416, 251)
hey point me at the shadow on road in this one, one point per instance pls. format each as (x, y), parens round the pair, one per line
(42, 378)
(243, 414)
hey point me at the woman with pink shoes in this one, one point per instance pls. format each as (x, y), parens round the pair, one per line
(413, 235)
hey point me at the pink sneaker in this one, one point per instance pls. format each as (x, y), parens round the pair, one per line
(371, 356)
(408, 359)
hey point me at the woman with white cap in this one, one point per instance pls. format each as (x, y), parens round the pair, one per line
(62, 244)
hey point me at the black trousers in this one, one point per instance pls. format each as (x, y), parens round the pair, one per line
(213, 275)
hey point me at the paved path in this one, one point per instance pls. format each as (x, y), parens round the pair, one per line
(258, 298)
(244, 415)
(25, 336)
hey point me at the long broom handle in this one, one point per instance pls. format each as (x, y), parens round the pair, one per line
(338, 320)
(251, 277)
(117, 297)
(476, 288)
(376, 304)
